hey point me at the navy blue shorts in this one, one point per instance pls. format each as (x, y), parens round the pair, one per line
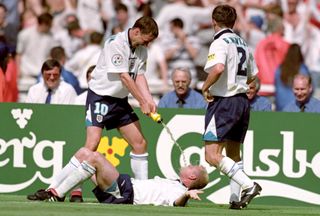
(108, 112)
(227, 119)
(126, 191)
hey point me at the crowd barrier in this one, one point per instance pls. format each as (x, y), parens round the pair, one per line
(280, 152)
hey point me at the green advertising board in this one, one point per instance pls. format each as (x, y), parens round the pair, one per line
(280, 152)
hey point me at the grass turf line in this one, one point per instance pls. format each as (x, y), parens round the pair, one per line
(17, 205)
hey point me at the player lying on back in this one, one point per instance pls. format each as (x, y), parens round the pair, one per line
(116, 188)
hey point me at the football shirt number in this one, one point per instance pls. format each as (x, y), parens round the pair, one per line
(242, 68)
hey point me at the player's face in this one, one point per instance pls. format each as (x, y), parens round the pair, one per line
(51, 78)
(181, 83)
(186, 171)
(142, 40)
(301, 89)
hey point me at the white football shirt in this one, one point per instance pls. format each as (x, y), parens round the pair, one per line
(231, 50)
(157, 191)
(115, 58)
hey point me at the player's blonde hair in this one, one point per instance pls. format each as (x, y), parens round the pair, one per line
(202, 178)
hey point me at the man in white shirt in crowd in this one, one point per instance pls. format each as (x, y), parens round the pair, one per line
(33, 48)
(52, 90)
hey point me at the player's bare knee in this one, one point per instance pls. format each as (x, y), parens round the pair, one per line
(139, 147)
(94, 158)
(82, 153)
(212, 159)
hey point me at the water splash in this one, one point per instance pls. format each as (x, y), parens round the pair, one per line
(175, 142)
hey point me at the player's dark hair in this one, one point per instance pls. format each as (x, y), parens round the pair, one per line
(147, 25)
(50, 64)
(224, 15)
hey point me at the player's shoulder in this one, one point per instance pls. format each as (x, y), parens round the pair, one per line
(116, 38)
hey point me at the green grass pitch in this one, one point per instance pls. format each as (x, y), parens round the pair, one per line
(17, 205)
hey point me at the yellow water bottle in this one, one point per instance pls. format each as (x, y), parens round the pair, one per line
(156, 117)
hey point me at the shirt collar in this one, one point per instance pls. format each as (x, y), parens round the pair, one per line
(129, 41)
(221, 32)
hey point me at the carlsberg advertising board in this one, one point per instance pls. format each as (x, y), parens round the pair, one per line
(281, 150)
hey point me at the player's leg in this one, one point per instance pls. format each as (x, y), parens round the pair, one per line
(93, 134)
(72, 179)
(235, 172)
(139, 156)
(106, 174)
(92, 163)
(225, 164)
(79, 175)
(92, 140)
(233, 152)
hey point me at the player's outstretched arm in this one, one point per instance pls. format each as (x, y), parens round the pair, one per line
(190, 194)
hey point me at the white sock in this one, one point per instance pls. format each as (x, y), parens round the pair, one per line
(139, 165)
(71, 166)
(235, 188)
(75, 178)
(114, 190)
(232, 170)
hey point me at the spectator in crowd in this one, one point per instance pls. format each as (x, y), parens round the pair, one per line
(84, 58)
(71, 39)
(33, 48)
(81, 99)
(292, 65)
(61, 10)
(250, 27)
(181, 50)
(9, 30)
(2, 86)
(157, 69)
(9, 72)
(89, 14)
(299, 30)
(12, 14)
(304, 102)
(52, 90)
(192, 16)
(269, 54)
(120, 22)
(182, 96)
(59, 54)
(115, 188)
(257, 103)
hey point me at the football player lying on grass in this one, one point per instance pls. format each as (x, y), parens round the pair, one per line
(116, 188)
